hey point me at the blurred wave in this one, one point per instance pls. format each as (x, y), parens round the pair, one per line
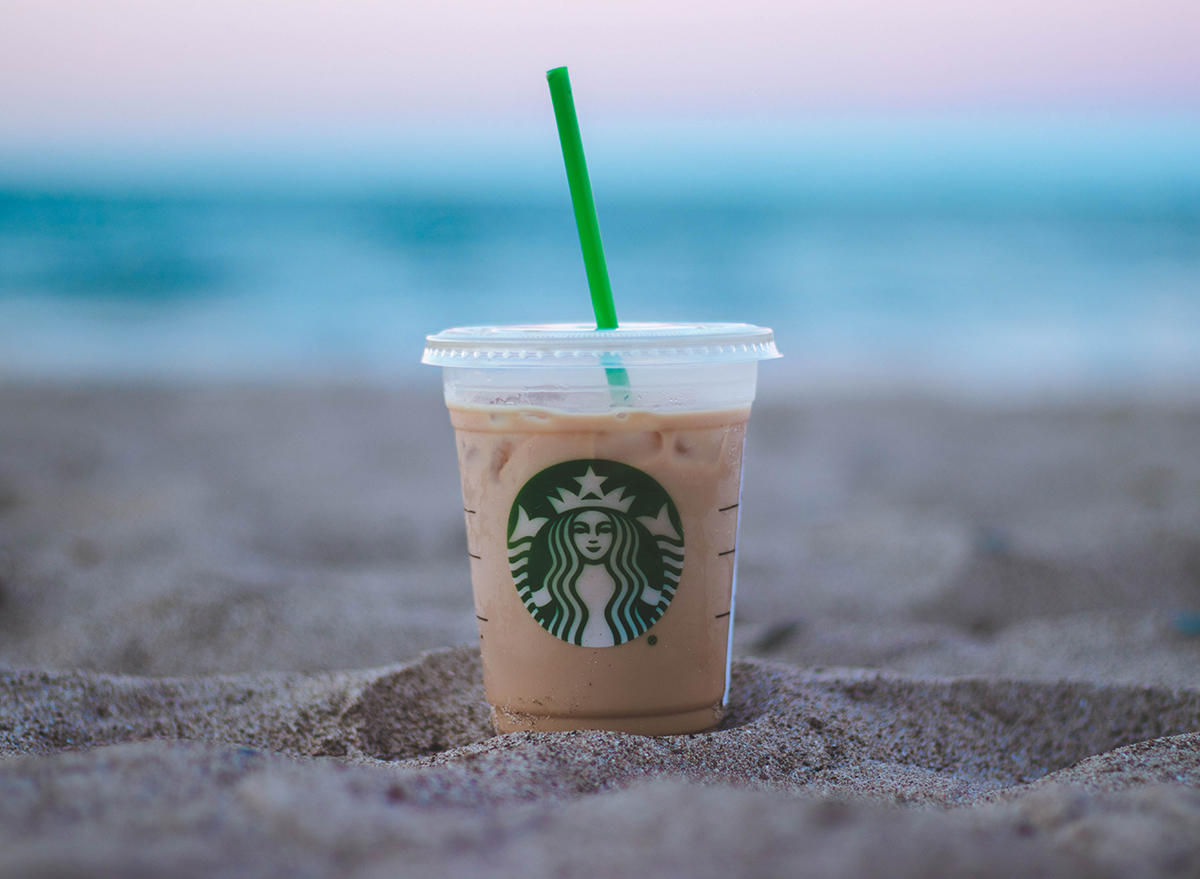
(933, 258)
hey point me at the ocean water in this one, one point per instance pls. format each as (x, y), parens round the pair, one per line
(1084, 283)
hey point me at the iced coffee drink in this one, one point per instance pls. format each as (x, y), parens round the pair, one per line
(602, 528)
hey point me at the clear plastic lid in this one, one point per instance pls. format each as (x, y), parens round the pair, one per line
(567, 345)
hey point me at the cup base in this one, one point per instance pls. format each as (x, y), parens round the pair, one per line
(698, 720)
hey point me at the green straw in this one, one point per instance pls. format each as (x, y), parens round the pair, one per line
(585, 217)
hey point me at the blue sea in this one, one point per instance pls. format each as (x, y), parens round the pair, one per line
(999, 258)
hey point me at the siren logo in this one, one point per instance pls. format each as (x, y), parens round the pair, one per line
(596, 551)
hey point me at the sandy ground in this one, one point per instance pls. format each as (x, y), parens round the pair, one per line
(235, 628)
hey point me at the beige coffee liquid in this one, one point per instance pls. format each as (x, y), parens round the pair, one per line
(669, 679)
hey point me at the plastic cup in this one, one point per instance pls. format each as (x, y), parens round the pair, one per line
(602, 521)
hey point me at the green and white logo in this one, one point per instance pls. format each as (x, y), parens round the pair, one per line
(596, 551)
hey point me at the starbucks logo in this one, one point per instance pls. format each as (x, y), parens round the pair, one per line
(596, 551)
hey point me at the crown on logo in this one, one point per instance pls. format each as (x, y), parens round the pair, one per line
(591, 495)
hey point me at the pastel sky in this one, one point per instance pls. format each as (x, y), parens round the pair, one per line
(73, 66)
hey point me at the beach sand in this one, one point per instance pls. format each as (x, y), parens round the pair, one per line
(236, 638)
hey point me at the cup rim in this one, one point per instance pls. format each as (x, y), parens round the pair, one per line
(577, 344)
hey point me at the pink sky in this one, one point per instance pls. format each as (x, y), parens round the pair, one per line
(80, 65)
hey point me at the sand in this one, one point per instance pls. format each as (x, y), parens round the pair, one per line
(236, 639)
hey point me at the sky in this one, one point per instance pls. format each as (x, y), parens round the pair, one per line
(1087, 110)
(82, 68)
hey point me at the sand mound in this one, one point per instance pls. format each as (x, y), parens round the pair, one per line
(1036, 770)
(856, 734)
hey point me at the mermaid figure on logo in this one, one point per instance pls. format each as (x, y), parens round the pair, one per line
(595, 579)
(600, 578)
